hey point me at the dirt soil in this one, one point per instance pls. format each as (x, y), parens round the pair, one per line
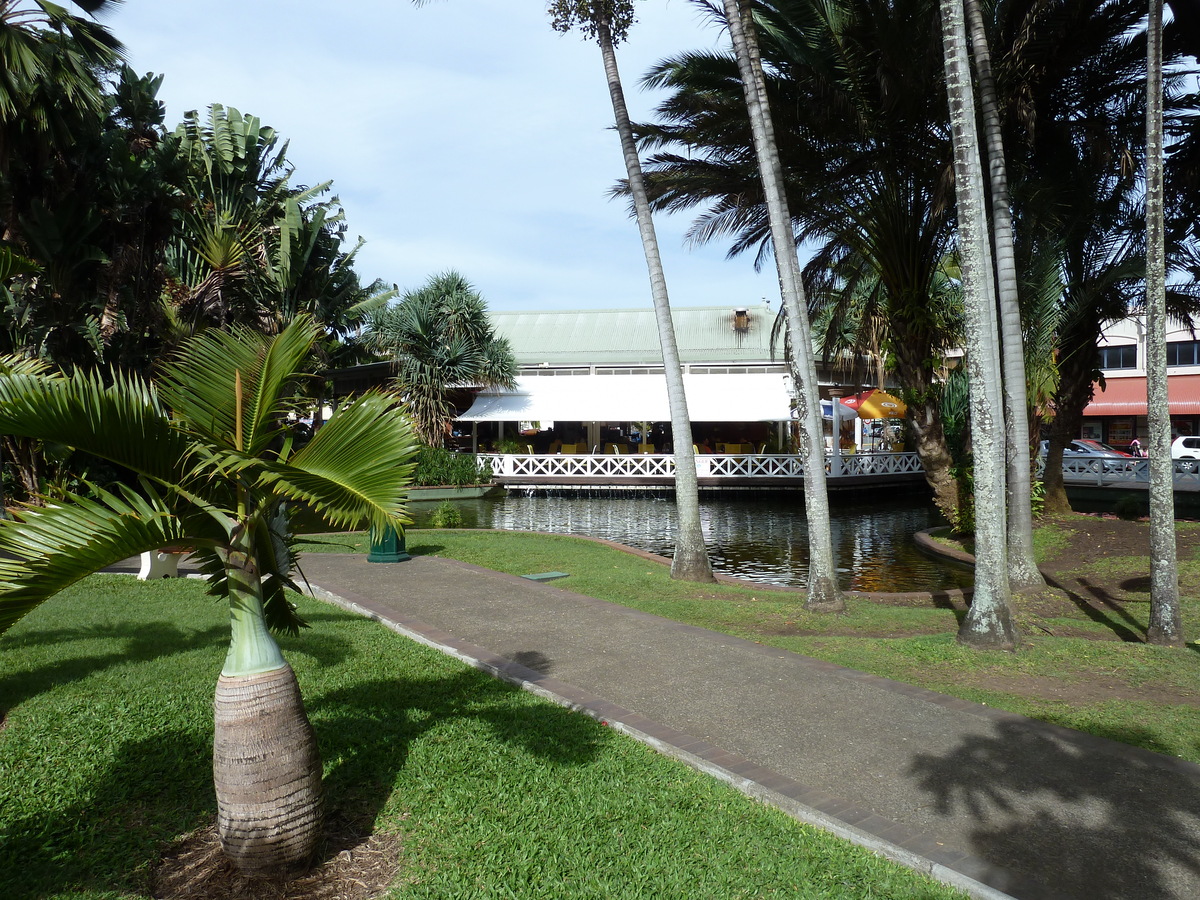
(349, 866)
(1102, 569)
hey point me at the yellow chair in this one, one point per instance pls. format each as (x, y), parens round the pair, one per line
(612, 448)
(646, 448)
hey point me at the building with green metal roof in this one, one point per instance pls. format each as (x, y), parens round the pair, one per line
(705, 334)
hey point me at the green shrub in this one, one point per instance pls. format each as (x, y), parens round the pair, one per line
(1130, 507)
(1037, 497)
(447, 515)
(436, 466)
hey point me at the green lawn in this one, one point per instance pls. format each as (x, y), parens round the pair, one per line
(105, 760)
(1148, 696)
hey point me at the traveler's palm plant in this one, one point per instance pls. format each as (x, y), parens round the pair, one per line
(213, 466)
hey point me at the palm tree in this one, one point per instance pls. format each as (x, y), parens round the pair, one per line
(48, 64)
(1023, 572)
(608, 21)
(1073, 79)
(988, 623)
(823, 590)
(867, 172)
(1165, 626)
(439, 339)
(214, 470)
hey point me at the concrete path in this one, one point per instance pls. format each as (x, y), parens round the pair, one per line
(990, 801)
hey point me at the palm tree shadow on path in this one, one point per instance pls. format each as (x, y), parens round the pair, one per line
(1086, 819)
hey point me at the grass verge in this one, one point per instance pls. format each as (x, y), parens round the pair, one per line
(106, 740)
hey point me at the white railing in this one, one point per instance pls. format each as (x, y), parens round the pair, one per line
(605, 466)
(1107, 473)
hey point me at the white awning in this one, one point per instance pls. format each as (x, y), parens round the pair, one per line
(736, 397)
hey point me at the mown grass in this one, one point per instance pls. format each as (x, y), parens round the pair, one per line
(1142, 695)
(104, 761)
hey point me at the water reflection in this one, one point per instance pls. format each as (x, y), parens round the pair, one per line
(763, 538)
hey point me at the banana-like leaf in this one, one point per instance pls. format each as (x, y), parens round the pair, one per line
(123, 422)
(48, 549)
(357, 467)
(13, 264)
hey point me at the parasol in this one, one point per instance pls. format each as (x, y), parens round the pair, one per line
(876, 404)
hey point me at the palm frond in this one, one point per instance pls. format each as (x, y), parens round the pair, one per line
(356, 468)
(199, 384)
(50, 548)
(122, 422)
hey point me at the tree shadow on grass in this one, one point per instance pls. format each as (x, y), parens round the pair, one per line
(366, 730)
(141, 642)
(426, 549)
(1118, 619)
(158, 788)
(153, 790)
(1086, 819)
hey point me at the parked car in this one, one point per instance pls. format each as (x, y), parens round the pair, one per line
(1099, 456)
(1185, 450)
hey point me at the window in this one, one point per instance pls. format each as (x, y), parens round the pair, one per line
(1183, 353)
(1122, 356)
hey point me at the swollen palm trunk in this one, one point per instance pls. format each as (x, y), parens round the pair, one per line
(267, 772)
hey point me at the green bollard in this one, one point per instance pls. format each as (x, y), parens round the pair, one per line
(387, 547)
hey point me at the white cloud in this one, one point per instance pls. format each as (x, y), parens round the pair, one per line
(464, 134)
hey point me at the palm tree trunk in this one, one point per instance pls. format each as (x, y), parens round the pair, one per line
(1165, 626)
(988, 622)
(1023, 572)
(690, 561)
(266, 766)
(823, 591)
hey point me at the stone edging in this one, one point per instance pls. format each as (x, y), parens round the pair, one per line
(927, 543)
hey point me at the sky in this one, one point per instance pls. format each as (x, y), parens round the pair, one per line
(461, 134)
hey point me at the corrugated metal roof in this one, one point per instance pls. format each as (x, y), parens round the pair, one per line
(630, 336)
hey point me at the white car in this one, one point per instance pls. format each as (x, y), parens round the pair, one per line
(1185, 450)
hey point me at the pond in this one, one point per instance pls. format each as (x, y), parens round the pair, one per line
(761, 538)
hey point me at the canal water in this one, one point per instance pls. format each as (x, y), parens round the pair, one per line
(761, 538)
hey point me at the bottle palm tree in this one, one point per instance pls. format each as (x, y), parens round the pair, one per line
(989, 621)
(608, 21)
(214, 468)
(823, 591)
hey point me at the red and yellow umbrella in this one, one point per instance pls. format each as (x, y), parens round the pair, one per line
(876, 404)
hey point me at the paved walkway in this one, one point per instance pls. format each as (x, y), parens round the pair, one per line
(993, 802)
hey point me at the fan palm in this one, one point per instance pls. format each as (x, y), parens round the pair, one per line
(214, 468)
(439, 339)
